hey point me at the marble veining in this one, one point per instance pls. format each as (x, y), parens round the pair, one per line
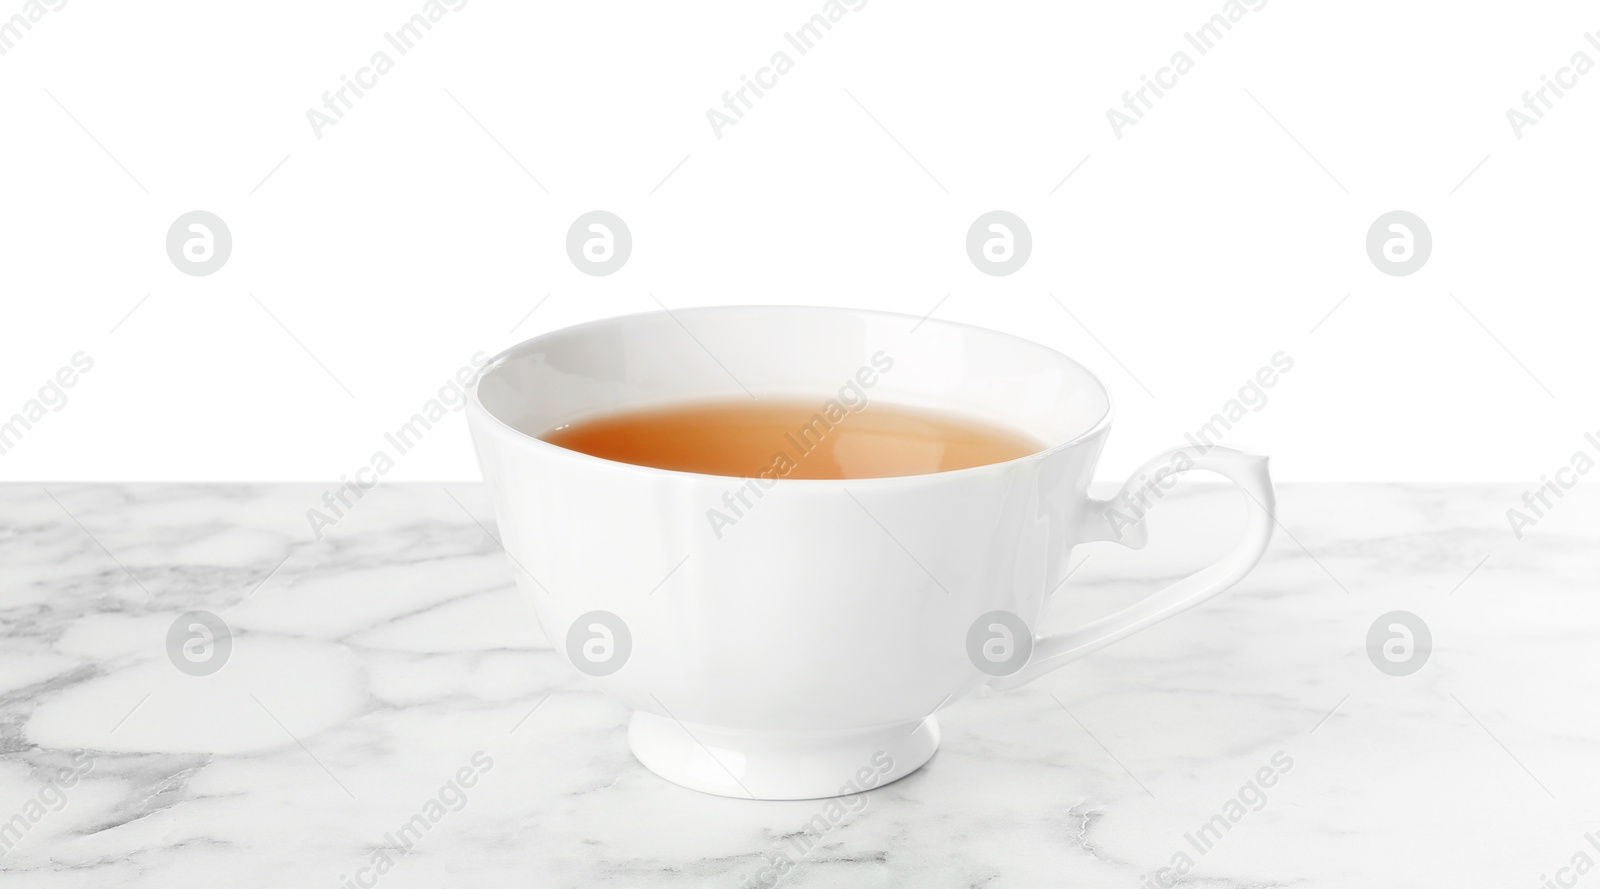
(391, 713)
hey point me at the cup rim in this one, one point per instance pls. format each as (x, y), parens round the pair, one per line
(475, 405)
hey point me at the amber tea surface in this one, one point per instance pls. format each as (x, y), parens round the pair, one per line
(777, 438)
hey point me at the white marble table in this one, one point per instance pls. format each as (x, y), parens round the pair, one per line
(375, 674)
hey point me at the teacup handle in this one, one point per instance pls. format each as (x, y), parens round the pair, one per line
(1121, 519)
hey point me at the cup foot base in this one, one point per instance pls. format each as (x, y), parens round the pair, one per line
(780, 765)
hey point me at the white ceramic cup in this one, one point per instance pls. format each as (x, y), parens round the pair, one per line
(784, 638)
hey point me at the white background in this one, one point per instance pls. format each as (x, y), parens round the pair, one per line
(406, 239)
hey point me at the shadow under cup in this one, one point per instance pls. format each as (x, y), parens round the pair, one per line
(798, 646)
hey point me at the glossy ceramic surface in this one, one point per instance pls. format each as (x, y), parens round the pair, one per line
(780, 638)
